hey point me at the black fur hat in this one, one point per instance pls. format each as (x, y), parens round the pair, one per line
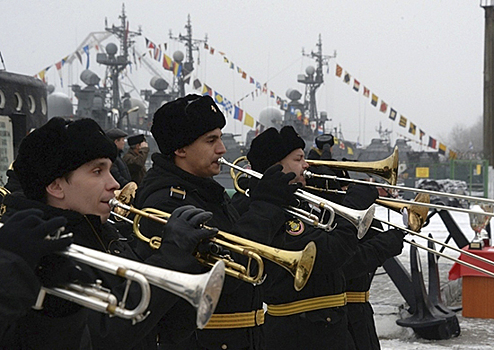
(270, 147)
(179, 123)
(323, 139)
(57, 148)
(136, 139)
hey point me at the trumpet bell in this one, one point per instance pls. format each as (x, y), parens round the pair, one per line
(363, 220)
(202, 291)
(303, 266)
(207, 294)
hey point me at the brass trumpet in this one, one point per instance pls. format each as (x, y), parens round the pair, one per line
(202, 291)
(361, 219)
(298, 263)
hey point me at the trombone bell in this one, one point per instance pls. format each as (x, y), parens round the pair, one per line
(417, 214)
(387, 168)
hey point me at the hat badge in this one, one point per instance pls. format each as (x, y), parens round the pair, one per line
(213, 109)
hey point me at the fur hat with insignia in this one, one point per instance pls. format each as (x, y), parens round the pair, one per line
(179, 123)
(272, 146)
(57, 148)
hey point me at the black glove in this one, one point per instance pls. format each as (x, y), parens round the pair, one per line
(360, 196)
(184, 228)
(274, 187)
(54, 270)
(395, 240)
(24, 234)
(326, 152)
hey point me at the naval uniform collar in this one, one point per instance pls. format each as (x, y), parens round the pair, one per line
(201, 183)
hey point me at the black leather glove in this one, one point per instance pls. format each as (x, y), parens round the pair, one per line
(360, 196)
(184, 228)
(24, 234)
(54, 270)
(274, 187)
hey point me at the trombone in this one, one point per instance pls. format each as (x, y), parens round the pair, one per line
(386, 169)
(202, 291)
(361, 219)
(464, 252)
(309, 174)
(298, 263)
(417, 210)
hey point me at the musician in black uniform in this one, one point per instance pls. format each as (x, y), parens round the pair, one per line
(315, 317)
(64, 170)
(188, 134)
(372, 251)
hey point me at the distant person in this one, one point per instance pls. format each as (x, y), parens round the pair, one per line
(119, 169)
(323, 148)
(136, 157)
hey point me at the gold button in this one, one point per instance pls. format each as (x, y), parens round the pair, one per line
(224, 346)
(328, 319)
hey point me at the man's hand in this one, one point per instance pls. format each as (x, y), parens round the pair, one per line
(274, 187)
(25, 235)
(360, 196)
(184, 228)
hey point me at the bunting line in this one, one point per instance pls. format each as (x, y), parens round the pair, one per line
(383, 107)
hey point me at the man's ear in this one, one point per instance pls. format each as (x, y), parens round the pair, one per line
(180, 152)
(55, 189)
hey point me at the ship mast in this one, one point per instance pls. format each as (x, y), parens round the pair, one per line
(191, 45)
(313, 79)
(116, 64)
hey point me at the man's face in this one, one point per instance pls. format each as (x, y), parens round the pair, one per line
(201, 157)
(90, 188)
(120, 142)
(295, 162)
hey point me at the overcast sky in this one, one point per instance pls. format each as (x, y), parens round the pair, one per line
(424, 58)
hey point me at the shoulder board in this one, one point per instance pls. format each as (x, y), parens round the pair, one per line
(177, 193)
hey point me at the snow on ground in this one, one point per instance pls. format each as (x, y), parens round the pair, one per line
(389, 305)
